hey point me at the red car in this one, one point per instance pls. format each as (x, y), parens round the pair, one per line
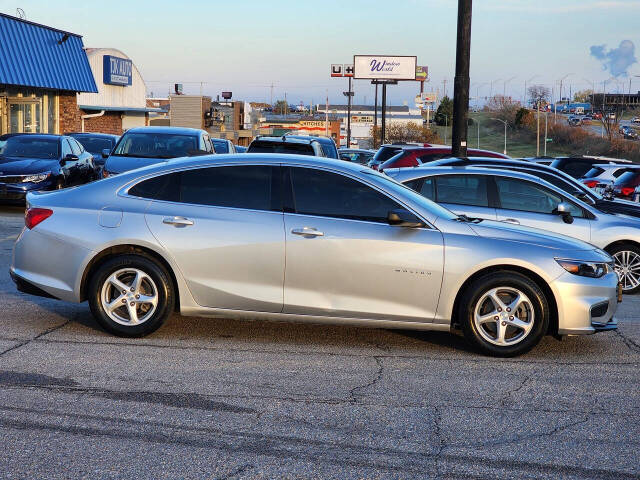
(388, 150)
(625, 185)
(412, 157)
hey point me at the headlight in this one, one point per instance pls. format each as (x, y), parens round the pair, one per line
(38, 177)
(585, 269)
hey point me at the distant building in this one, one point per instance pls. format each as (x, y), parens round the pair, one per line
(301, 125)
(362, 117)
(615, 100)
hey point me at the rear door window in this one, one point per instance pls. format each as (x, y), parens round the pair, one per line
(462, 190)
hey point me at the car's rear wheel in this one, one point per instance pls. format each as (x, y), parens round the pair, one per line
(503, 314)
(627, 265)
(131, 295)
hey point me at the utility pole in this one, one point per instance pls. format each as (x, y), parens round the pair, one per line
(444, 87)
(271, 98)
(461, 81)
(349, 95)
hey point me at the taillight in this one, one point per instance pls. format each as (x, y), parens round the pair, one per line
(36, 215)
(591, 183)
(626, 191)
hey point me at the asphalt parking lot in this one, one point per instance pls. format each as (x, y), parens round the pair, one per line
(214, 399)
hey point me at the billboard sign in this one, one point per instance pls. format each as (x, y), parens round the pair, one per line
(428, 97)
(381, 67)
(336, 70)
(116, 70)
(422, 73)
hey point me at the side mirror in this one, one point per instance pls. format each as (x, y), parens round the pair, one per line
(105, 153)
(70, 157)
(404, 218)
(564, 210)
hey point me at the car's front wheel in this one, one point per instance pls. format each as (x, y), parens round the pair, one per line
(627, 265)
(503, 314)
(131, 295)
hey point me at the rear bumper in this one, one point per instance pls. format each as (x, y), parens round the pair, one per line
(25, 286)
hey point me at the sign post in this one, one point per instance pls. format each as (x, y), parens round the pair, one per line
(385, 70)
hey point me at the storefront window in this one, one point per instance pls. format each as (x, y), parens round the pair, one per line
(52, 114)
(32, 113)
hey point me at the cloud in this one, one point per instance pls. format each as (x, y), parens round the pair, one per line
(616, 60)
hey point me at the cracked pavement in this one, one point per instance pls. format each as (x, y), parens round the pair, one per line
(223, 399)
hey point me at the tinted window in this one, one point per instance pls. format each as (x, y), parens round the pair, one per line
(594, 172)
(620, 171)
(326, 194)
(385, 153)
(156, 145)
(462, 190)
(220, 146)
(237, 186)
(30, 147)
(75, 147)
(280, 147)
(521, 195)
(96, 144)
(575, 168)
(631, 178)
(427, 189)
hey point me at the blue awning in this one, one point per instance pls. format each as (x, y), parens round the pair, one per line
(34, 55)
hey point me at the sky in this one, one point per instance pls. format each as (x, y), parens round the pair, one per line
(248, 45)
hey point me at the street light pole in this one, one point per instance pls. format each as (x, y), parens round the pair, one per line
(504, 86)
(505, 133)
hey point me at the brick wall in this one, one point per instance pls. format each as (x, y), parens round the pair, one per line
(110, 122)
(69, 113)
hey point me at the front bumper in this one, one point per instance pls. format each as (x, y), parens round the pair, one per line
(17, 192)
(586, 305)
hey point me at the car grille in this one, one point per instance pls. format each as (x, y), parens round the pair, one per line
(12, 178)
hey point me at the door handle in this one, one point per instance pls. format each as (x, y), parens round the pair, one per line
(177, 221)
(512, 220)
(307, 232)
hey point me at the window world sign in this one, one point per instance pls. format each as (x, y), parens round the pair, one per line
(116, 70)
(380, 67)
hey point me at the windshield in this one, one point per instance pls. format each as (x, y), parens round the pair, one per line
(156, 145)
(95, 144)
(220, 146)
(280, 147)
(30, 147)
(404, 191)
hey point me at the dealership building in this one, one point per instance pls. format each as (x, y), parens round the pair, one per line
(42, 69)
(120, 102)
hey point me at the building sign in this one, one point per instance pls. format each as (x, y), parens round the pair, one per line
(348, 69)
(422, 73)
(429, 97)
(336, 70)
(380, 67)
(116, 70)
(362, 118)
(310, 123)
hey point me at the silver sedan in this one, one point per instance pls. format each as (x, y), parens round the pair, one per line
(299, 238)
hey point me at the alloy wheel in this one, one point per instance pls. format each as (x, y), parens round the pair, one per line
(504, 316)
(627, 265)
(129, 296)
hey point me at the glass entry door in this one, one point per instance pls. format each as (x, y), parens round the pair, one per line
(25, 115)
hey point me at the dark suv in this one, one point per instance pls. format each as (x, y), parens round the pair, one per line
(578, 166)
(287, 144)
(327, 144)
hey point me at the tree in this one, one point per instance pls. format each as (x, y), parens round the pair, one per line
(280, 107)
(404, 132)
(503, 108)
(523, 118)
(539, 95)
(583, 96)
(444, 114)
(610, 120)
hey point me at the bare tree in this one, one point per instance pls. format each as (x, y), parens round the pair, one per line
(611, 119)
(539, 95)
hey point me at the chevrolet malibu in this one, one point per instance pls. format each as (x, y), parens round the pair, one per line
(290, 237)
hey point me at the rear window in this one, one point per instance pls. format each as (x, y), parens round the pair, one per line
(280, 147)
(95, 144)
(385, 153)
(630, 179)
(594, 172)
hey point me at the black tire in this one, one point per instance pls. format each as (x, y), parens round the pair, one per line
(163, 286)
(617, 252)
(475, 292)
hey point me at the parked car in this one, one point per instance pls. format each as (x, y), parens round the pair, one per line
(32, 162)
(561, 180)
(95, 144)
(635, 120)
(541, 160)
(578, 166)
(355, 155)
(605, 173)
(412, 157)
(523, 199)
(626, 184)
(327, 144)
(221, 145)
(386, 151)
(628, 132)
(142, 146)
(286, 144)
(360, 249)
